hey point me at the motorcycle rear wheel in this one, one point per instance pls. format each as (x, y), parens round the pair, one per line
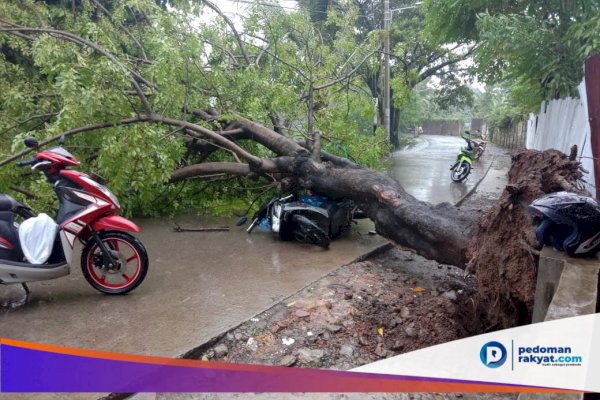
(309, 232)
(132, 258)
(461, 171)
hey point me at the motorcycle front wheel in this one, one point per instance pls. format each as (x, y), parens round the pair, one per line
(131, 261)
(461, 171)
(479, 153)
(309, 232)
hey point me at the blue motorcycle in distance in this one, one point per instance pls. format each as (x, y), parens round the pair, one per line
(305, 218)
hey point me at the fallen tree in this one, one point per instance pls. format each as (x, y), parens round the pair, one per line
(497, 246)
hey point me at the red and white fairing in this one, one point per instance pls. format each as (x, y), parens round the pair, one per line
(102, 204)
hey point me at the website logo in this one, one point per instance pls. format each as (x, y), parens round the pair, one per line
(493, 354)
(556, 356)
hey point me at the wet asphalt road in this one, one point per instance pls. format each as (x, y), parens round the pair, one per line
(424, 170)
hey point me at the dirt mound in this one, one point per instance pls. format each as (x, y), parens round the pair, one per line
(504, 252)
(394, 303)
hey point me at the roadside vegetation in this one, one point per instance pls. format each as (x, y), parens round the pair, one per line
(314, 69)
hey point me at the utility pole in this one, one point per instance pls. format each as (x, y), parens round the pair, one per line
(387, 17)
(387, 101)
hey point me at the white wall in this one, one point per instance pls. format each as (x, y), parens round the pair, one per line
(561, 124)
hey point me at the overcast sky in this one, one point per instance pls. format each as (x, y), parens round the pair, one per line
(239, 7)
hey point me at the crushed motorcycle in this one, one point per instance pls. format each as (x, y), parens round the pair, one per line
(308, 219)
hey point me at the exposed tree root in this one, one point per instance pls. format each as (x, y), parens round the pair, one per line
(504, 252)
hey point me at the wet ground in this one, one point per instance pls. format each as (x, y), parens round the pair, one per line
(424, 170)
(201, 282)
(392, 303)
(204, 283)
(199, 285)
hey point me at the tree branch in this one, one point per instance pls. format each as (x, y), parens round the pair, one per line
(19, 123)
(281, 145)
(134, 76)
(86, 128)
(122, 27)
(208, 169)
(229, 54)
(433, 70)
(232, 26)
(348, 75)
(196, 130)
(298, 70)
(203, 132)
(260, 55)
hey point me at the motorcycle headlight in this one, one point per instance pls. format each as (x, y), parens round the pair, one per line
(112, 196)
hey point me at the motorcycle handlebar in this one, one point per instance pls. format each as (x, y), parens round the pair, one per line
(24, 163)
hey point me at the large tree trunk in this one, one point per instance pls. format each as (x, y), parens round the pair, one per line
(499, 246)
(437, 232)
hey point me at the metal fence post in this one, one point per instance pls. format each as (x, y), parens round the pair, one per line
(592, 88)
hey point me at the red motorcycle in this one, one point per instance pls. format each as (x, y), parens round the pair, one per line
(113, 261)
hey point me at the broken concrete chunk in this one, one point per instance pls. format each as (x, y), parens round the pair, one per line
(221, 350)
(310, 356)
(288, 361)
(347, 350)
(405, 313)
(252, 344)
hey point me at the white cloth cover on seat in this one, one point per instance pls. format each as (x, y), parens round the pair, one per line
(37, 238)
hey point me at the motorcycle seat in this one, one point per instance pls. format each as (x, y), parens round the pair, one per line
(7, 203)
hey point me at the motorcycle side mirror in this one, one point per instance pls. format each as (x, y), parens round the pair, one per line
(61, 140)
(242, 220)
(31, 142)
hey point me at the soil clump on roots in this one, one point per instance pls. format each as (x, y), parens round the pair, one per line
(504, 252)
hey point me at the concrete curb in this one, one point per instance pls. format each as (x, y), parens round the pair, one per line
(566, 287)
(474, 188)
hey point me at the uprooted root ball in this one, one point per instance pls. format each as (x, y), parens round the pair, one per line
(504, 252)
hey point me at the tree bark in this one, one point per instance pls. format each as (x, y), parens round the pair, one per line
(439, 232)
